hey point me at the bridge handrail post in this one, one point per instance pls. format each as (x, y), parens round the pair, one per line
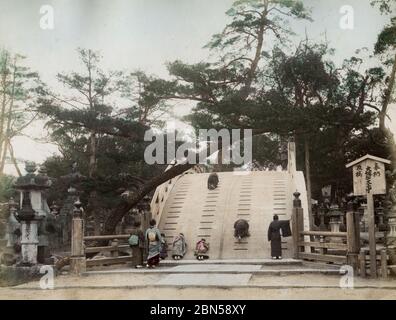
(297, 224)
(77, 257)
(353, 247)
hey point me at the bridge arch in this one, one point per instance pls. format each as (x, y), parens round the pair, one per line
(185, 204)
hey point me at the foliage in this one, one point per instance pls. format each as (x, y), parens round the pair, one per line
(6, 187)
(19, 88)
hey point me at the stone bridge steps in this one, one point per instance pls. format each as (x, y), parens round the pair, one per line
(201, 213)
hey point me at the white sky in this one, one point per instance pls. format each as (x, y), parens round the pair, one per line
(144, 34)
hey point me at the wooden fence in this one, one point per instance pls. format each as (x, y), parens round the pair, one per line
(117, 245)
(320, 246)
(325, 246)
(342, 248)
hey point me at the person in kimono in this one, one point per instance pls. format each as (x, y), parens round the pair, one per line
(137, 246)
(241, 229)
(164, 247)
(201, 249)
(179, 247)
(274, 235)
(213, 181)
(153, 239)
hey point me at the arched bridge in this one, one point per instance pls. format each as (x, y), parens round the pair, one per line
(185, 204)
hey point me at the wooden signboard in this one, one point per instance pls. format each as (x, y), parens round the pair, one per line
(368, 180)
(369, 177)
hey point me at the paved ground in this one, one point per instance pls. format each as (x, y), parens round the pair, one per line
(211, 281)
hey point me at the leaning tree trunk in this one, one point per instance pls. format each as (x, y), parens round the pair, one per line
(13, 159)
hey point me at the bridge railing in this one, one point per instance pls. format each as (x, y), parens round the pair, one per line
(325, 246)
(118, 248)
(163, 191)
(84, 248)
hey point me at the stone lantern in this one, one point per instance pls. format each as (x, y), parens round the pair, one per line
(335, 220)
(321, 213)
(380, 214)
(28, 219)
(33, 213)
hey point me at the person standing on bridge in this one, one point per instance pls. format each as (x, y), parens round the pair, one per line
(274, 235)
(154, 240)
(136, 242)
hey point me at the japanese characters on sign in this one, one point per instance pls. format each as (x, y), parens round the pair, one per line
(369, 178)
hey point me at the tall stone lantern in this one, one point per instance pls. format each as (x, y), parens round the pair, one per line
(33, 210)
(28, 219)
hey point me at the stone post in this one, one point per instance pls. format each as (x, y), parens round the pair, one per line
(114, 244)
(384, 264)
(297, 225)
(362, 264)
(353, 247)
(77, 259)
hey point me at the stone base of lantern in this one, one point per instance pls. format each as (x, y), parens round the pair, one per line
(29, 243)
(335, 227)
(15, 275)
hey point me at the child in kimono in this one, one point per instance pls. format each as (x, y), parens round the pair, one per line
(164, 247)
(201, 249)
(179, 247)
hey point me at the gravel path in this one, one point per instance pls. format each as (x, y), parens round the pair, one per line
(145, 286)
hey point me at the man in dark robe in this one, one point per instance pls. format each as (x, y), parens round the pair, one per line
(241, 229)
(274, 236)
(213, 181)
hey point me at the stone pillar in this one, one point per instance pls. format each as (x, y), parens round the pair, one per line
(77, 259)
(297, 225)
(352, 238)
